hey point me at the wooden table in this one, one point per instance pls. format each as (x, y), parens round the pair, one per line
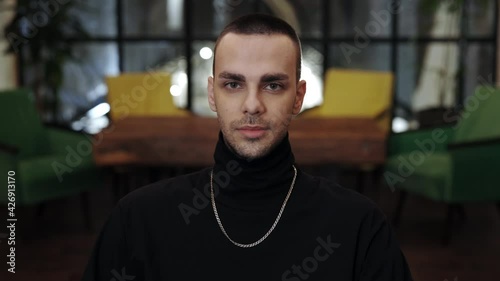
(190, 141)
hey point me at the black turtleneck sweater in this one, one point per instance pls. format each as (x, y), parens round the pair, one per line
(167, 231)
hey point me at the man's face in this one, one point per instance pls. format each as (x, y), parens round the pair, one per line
(254, 91)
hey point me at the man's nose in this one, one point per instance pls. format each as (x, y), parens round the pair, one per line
(253, 103)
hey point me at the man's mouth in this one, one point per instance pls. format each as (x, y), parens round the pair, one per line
(252, 132)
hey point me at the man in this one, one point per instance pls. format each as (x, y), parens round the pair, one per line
(253, 215)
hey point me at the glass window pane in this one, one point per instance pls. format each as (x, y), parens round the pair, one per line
(374, 56)
(154, 17)
(159, 56)
(148, 55)
(312, 72)
(7, 61)
(210, 17)
(97, 17)
(427, 82)
(442, 18)
(438, 67)
(429, 19)
(350, 18)
(408, 61)
(202, 61)
(306, 13)
(479, 67)
(83, 85)
(481, 17)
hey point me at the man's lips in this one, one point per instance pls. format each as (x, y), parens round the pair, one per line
(252, 131)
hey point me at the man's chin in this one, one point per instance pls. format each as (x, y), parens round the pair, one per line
(247, 147)
(252, 149)
(251, 156)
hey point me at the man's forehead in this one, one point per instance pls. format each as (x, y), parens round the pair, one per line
(256, 54)
(277, 47)
(235, 38)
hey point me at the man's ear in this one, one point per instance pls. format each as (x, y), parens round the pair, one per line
(299, 97)
(211, 96)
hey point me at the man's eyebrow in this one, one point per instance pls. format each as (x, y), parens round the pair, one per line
(231, 76)
(273, 77)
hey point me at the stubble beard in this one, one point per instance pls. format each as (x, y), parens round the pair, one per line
(248, 148)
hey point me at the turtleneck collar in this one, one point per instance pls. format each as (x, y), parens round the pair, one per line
(261, 178)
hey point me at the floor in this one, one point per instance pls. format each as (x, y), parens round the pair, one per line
(57, 246)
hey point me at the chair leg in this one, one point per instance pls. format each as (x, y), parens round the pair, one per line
(377, 177)
(40, 210)
(498, 207)
(461, 213)
(365, 180)
(127, 178)
(154, 175)
(116, 182)
(121, 183)
(360, 181)
(448, 227)
(84, 197)
(399, 208)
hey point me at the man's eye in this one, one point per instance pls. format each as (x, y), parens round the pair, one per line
(274, 86)
(232, 85)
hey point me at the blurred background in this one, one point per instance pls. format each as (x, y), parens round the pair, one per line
(98, 98)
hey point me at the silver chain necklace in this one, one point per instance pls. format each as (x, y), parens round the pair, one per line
(212, 197)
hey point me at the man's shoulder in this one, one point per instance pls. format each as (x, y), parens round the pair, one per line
(338, 196)
(166, 190)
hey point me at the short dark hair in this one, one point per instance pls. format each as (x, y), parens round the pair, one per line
(255, 24)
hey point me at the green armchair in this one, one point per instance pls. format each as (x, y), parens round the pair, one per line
(454, 165)
(48, 163)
